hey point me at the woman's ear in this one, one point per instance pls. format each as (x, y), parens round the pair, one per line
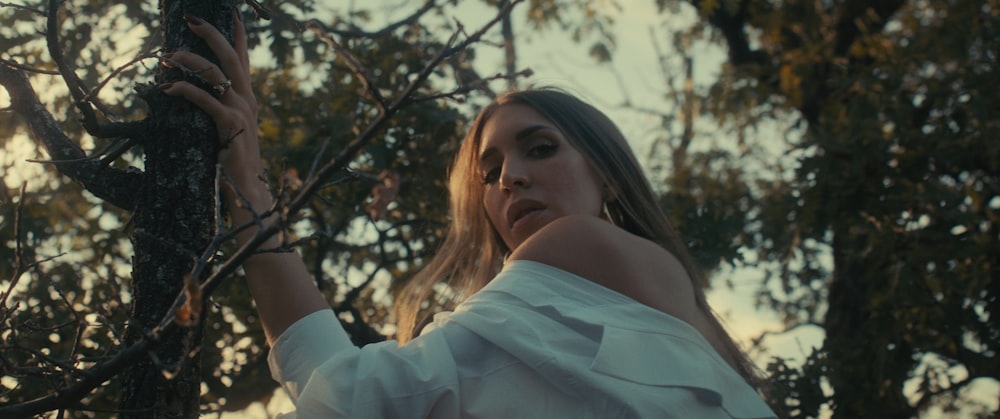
(608, 194)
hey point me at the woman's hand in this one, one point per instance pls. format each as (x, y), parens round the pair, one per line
(281, 286)
(232, 106)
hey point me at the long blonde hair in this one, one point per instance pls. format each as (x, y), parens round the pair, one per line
(472, 252)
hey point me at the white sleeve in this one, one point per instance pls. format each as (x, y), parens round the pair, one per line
(327, 376)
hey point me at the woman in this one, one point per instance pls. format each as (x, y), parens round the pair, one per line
(583, 300)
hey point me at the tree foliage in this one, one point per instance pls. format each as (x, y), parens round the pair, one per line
(878, 220)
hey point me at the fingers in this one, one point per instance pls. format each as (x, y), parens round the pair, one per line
(199, 98)
(209, 73)
(233, 109)
(240, 40)
(231, 62)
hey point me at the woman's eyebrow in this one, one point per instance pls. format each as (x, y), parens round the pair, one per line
(521, 135)
(524, 133)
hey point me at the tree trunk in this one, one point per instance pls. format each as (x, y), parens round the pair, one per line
(173, 223)
(862, 357)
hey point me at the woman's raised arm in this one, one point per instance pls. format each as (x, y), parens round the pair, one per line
(279, 282)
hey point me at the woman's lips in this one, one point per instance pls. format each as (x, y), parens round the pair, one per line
(525, 217)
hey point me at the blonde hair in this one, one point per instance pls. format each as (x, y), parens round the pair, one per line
(472, 252)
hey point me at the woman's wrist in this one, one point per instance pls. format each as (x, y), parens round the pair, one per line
(248, 191)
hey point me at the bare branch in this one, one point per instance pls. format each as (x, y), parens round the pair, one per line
(116, 186)
(926, 398)
(105, 157)
(73, 82)
(22, 7)
(409, 20)
(757, 341)
(19, 267)
(92, 95)
(19, 66)
(457, 93)
(92, 378)
(352, 63)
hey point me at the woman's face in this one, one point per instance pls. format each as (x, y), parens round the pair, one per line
(532, 175)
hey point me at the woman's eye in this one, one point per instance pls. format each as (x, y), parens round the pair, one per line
(491, 176)
(543, 150)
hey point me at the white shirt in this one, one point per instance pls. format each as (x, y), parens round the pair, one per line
(536, 342)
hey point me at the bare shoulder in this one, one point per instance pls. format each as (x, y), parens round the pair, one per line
(603, 253)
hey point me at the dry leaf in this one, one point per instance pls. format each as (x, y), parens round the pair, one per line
(383, 194)
(188, 313)
(290, 180)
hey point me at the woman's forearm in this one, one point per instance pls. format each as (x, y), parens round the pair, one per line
(282, 287)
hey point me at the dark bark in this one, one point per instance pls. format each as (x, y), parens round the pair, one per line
(174, 222)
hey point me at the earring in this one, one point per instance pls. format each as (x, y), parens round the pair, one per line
(607, 213)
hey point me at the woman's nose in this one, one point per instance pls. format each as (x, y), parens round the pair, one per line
(514, 175)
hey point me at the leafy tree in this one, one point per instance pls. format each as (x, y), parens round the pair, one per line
(72, 314)
(883, 230)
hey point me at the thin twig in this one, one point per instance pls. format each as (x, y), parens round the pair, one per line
(468, 88)
(107, 155)
(352, 63)
(73, 82)
(19, 266)
(412, 18)
(13, 64)
(319, 155)
(93, 93)
(18, 250)
(116, 149)
(92, 378)
(759, 339)
(22, 7)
